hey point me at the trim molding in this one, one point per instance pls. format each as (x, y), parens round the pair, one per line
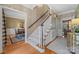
(12, 9)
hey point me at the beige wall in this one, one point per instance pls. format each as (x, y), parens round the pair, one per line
(75, 21)
(13, 22)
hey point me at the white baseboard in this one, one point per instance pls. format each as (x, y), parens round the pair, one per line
(37, 48)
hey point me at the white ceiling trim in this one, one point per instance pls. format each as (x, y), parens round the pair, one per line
(4, 7)
(14, 14)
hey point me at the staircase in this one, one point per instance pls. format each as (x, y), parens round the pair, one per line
(40, 33)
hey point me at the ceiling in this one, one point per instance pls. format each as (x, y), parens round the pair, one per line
(14, 14)
(31, 6)
(59, 8)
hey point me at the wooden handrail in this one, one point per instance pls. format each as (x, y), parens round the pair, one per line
(38, 19)
(45, 19)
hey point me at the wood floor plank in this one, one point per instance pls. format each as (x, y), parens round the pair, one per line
(24, 48)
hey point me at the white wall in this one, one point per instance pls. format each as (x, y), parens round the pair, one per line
(59, 27)
(67, 16)
(0, 30)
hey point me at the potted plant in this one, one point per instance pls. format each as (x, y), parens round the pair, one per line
(76, 30)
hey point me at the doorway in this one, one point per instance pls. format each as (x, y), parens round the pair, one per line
(14, 29)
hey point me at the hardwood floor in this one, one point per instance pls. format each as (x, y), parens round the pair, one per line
(24, 48)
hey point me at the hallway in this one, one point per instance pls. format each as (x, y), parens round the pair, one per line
(59, 45)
